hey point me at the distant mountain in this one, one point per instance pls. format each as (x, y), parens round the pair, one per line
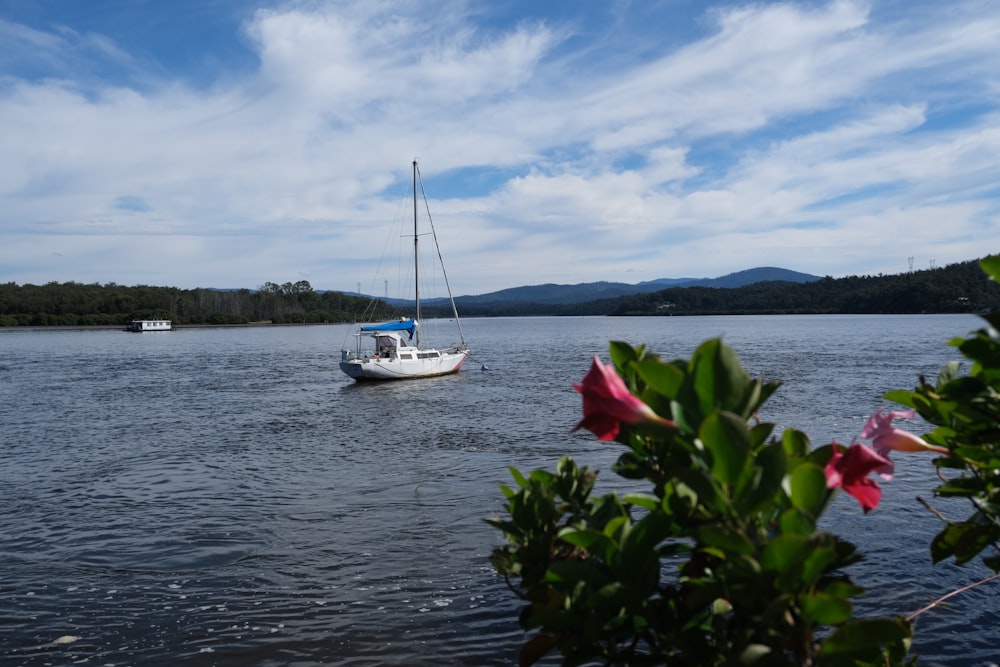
(585, 292)
(553, 293)
(750, 276)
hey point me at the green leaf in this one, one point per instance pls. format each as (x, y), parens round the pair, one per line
(817, 563)
(826, 609)
(703, 488)
(962, 487)
(647, 533)
(622, 353)
(795, 521)
(665, 379)
(540, 476)
(991, 265)
(617, 527)
(686, 420)
(796, 443)
(594, 542)
(573, 570)
(631, 466)
(720, 380)
(841, 588)
(759, 433)
(785, 553)
(808, 488)
(902, 397)
(726, 539)
(679, 501)
(518, 477)
(611, 596)
(644, 500)
(948, 373)
(752, 398)
(964, 541)
(982, 458)
(992, 562)
(760, 489)
(639, 563)
(726, 436)
(866, 638)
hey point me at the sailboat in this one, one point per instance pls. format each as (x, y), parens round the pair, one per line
(392, 350)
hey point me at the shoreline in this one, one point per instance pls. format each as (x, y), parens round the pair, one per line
(118, 327)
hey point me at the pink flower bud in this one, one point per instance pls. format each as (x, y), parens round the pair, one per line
(607, 403)
(885, 438)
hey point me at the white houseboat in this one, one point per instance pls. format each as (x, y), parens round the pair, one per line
(139, 326)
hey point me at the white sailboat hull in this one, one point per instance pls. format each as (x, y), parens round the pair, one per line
(403, 369)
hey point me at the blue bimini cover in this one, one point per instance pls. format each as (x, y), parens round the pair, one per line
(409, 326)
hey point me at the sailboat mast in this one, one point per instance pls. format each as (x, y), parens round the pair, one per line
(416, 258)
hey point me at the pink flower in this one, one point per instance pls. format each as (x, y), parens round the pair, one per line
(607, 403)
(850, 472)
(885, 438)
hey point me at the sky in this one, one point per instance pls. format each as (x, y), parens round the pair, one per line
(229, 143)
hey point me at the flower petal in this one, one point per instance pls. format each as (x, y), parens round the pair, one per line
(867, 492)
(604, 427)
(881, 422)
(607, 403)
(899, 440)
(850, 472)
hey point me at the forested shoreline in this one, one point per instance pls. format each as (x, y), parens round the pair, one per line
(76, 304)
(957, 288)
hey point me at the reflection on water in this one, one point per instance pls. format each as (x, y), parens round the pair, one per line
(227, 497)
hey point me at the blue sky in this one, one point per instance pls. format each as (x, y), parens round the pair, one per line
(227, 143)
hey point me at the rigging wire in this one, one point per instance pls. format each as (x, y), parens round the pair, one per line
(396, 230)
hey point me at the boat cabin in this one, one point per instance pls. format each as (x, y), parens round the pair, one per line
(139, 326)
(387, 347)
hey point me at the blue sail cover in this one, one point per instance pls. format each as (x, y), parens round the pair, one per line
(409, 326)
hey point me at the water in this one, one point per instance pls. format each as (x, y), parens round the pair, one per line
(228, 497)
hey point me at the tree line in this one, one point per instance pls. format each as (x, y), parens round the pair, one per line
(76, 304)
(956, 288)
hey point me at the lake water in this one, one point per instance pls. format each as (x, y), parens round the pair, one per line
(228, 497)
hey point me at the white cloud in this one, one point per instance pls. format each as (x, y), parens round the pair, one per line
(788, 134)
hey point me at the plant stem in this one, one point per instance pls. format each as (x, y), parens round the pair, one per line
(955, 592)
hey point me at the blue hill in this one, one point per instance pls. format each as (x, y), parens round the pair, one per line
(584, 292)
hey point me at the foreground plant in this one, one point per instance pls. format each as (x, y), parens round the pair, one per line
(721, 561)
(965, 410)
